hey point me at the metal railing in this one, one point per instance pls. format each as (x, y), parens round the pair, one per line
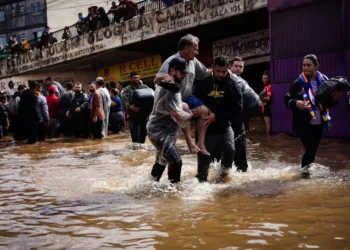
(145, 6)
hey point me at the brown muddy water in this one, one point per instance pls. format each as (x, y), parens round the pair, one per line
(84, 194)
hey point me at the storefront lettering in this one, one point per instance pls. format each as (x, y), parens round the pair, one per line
(253, 44)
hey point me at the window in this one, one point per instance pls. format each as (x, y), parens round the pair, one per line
(23, 37)
(13, 11)
(2, 16)
(36, 9)
(2, 41)
(21, 9)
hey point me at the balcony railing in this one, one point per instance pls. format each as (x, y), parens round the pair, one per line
(144, 6)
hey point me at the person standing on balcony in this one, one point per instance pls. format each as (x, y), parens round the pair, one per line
(45, 37)
(103, 18)
(13, 46)
(129, 9)
(115, 10)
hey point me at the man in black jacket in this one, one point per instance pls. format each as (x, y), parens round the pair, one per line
(64, 104)
(77, 111)
(28, 113)
(224, 98)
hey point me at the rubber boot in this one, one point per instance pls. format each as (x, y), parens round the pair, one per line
(157, 171)
(174, 172)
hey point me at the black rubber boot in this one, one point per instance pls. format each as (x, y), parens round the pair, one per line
(157, 171)
(174, 172)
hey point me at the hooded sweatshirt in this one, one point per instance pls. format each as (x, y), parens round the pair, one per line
(224, 98)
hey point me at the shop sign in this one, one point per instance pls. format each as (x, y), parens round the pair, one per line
(245, 46)
(146, 67)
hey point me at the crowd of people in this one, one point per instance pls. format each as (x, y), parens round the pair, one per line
(218, 99)
(34, 113)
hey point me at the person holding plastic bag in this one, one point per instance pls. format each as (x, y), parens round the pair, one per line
(165, 120)
(308, 114)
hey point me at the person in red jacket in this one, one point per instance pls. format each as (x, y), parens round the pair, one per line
(52, 103)
(266, 98)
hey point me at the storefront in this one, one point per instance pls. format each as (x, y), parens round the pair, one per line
(146, 67)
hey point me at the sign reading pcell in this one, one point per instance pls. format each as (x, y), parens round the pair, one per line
(246, 46)
(146, 67)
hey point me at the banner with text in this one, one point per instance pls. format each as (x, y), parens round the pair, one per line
(164, 21)
(245, 46)
(146, 67)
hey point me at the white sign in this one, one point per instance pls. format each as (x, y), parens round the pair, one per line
(249, 45)
(178, 17)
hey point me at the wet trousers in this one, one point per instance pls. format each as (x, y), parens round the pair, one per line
(166, 155)
(217, 145)
(31, 132)
(41, 131)
(116, 119)
(311, 140)
(240, 157)
(138, 129)
(97, 129)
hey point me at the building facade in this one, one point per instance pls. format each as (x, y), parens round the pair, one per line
(23, 20)
(306, 27)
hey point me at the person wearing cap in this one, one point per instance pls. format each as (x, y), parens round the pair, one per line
(188, 50)
(137, 120)
(165, 120)
(106, 102)
(224, 98)
(59, 89)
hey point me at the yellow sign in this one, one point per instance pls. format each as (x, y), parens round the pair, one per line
(146, 67)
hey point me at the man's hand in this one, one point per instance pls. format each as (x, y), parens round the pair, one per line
(301, 105)
(336, 94)
(348, 93)
(94, 119)
(168, 78)
(134, 108)
(77, 110)
(209, 119)
(67, 114)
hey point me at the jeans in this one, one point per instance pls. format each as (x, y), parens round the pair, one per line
(138, 129)
(216, 144)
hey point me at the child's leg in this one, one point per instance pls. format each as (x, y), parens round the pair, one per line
(201, 112)
(187, 132)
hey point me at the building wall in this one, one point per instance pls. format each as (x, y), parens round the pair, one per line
(282, 4)
(296, 32)
(20, 21)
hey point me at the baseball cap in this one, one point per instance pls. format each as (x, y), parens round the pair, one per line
(179, 64)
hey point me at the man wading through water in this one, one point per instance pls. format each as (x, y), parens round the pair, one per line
(166, 118)
(188, 50)
(222, 95)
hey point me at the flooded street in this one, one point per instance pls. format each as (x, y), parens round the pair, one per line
(84, 194)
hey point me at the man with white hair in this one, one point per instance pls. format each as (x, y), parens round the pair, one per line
(106, 103)
(188, 50)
